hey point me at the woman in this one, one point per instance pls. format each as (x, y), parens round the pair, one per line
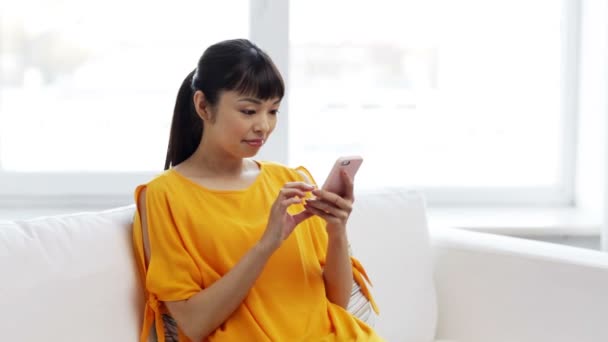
(233, 249)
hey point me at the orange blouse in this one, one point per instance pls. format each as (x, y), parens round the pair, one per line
(198, 234)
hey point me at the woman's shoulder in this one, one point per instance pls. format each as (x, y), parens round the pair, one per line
(159, 183)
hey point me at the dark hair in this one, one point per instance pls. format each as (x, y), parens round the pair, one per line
(231, 65)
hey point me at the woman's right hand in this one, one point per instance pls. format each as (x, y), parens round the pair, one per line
(280, 222)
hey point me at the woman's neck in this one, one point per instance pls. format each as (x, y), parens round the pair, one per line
(207, 163)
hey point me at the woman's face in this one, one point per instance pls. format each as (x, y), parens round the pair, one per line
(241, 124)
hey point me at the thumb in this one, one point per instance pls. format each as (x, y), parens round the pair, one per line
(301, 216)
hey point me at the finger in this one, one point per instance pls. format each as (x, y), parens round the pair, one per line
(293, 200)
(288, 193)
(326, 208)
(332, 198)
(299, 185)
(319, 204)
(301, 216)
(348, 185)
(321, 213)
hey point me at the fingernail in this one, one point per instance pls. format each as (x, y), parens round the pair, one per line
(316, 191)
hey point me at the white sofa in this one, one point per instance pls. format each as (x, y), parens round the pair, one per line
(73, 278)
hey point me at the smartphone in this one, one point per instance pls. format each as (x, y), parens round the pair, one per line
(334, 182)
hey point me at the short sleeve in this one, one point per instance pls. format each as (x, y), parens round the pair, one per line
(172, 274)
(306, 175)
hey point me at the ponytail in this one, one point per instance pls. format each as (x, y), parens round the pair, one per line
(186, 126)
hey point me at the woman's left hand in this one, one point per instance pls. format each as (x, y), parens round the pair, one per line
(333, 208)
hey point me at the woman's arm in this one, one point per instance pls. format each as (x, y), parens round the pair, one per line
(202, 313)
(338, 272)
(335, 210)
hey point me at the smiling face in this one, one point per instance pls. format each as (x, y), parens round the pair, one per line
(239, 125)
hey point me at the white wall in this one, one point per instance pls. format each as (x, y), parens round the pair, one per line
(591, 150)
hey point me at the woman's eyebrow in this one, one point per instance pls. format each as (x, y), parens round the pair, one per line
(256, 101)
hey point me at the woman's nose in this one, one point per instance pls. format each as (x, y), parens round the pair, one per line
(263, 124)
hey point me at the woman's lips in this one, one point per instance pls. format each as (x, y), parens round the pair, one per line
(255, 142)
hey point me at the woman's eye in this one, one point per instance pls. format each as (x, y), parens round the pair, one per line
(274, 112)
(248, 112)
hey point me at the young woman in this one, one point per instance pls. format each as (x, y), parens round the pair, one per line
(235, 249)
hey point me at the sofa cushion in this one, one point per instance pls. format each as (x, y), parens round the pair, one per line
(388, 234)
(70, 278)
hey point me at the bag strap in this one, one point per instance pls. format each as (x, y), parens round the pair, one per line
(143, 216)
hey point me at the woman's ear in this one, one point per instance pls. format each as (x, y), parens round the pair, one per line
(202, 107)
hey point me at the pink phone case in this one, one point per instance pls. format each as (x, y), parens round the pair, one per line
(334, 182)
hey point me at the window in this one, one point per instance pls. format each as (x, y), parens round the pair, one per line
(471, 101)
(87, 88)
(463, 99)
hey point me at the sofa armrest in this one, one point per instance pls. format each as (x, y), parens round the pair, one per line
(498, 288)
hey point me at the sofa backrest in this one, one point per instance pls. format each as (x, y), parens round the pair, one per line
(388, 234)
(70, 278)
(73, 277)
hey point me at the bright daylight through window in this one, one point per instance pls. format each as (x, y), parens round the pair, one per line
(434, 94)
